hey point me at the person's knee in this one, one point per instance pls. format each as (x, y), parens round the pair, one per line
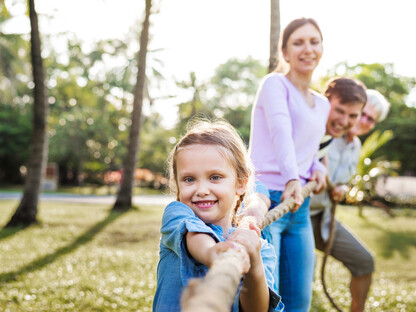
(369, 265)
(365, 266)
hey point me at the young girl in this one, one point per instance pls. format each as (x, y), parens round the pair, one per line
(210, 172)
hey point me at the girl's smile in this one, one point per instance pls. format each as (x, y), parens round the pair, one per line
(204, 204)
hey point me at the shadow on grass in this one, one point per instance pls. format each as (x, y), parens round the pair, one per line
(7, 232)
(391, 241)
(81, 240)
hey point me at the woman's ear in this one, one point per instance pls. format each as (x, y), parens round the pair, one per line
(285, 57)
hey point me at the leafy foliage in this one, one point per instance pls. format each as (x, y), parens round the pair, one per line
(91, 103)
(235, 83)
(15, 102)
(368, 170)
(156, 143)
(229, 94)
(402, 119)
(15, 130)
(88, 118)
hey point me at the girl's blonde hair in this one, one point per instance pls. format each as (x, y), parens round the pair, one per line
(217, 133)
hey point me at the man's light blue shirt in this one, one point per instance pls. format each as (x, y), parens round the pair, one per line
(342, 164)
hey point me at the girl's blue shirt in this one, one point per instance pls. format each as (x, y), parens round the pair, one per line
(176, 266)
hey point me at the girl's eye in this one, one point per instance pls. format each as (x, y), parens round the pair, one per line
(188, 179)
(215, 177)
(315, 42)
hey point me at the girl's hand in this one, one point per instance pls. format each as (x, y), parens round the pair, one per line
(293, 189)
(320, 179)
(250, 240)
(257, 207)
(217, 249)
(254, 295)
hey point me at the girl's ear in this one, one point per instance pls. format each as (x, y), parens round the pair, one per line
(241, 187)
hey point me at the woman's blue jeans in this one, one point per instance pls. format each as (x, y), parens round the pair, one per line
(292, 238)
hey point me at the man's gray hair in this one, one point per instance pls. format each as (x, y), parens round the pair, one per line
(379, 102)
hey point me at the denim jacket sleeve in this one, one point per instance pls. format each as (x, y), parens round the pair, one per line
(178, 219)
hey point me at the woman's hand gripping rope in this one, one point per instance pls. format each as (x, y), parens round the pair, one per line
(284, 207)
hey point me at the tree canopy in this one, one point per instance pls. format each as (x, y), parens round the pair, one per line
(90, 93)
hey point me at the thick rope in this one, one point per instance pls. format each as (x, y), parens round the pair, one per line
(216, 291)
(328, 246)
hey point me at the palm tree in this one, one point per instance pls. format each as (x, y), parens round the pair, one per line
(27, 210)
(197, 106)
(124, 196)
(274, 34)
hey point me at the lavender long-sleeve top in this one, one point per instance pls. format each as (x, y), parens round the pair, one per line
(285, 132)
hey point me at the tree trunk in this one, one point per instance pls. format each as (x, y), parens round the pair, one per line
(27, 210)
(360, 207)
(274, 34)
(124, 197)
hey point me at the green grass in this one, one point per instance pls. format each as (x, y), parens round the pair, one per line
(79, 258)
(86, 258)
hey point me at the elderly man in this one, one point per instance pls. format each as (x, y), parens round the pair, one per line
(342, 162)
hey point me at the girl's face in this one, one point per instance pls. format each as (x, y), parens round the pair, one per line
(304, 49)
(207, 183)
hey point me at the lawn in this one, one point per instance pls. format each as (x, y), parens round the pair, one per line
(86, 258)
(393, 241)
